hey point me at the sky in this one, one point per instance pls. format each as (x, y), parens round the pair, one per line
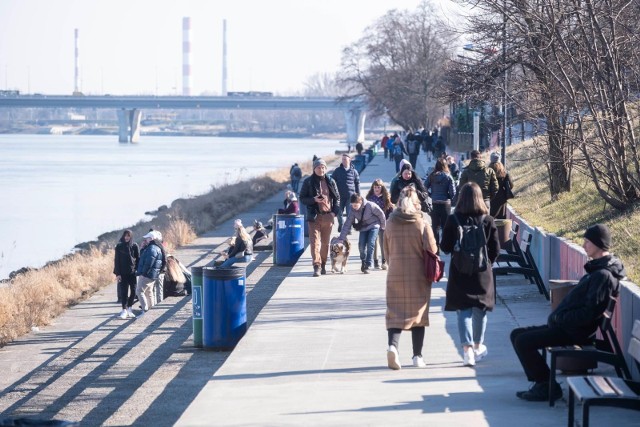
(134, 47)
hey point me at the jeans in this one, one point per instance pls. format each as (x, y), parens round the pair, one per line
(366, 244)
(379, 243)
(439, 215)
(528, 341)
(344, 203)
(417, 338)
(230, 261)
(413, 159)
(472, 322)
(398, 159)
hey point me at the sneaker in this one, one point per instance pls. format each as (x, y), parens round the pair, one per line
(469, 357)
(480, 352)
(123, 314)
(130, 313)
(393, 358)
(384, 265)
(316, 271)
(366, 270)
(539, 392)
(418, 362)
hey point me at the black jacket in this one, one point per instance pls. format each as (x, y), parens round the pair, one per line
(579, 312)
(347, 180)
(127, 256)
(311, 188)
(398, 183)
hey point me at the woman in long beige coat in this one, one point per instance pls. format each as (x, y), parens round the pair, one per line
(408, 292)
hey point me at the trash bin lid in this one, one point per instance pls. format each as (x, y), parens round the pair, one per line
(226, 273)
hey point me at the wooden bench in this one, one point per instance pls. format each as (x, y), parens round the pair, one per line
(526, 265)
(605, 350)
(606, 391)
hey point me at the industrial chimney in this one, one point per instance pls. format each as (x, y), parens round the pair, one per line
(186, 56)
(76, 76)
(224, 57)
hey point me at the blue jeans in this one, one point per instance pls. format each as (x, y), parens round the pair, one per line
(230, 261)
(344, 203)
(366, 244)
(472, 322)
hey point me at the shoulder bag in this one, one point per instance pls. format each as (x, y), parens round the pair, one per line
(433, 265)
(358, 225)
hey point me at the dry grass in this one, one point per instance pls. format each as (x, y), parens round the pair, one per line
(35, 297)
(573, 212)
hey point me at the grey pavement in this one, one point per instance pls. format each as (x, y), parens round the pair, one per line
(314, 354)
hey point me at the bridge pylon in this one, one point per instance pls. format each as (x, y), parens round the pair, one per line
(129, 125)
(354, 118)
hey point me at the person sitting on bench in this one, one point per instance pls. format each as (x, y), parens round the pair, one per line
(242, 248)
(575, 320)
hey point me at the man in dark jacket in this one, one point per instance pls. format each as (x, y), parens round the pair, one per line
(320, 194)
(478, 172)
(575, 320)
(348, 181)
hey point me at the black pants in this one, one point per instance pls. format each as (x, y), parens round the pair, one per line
(417, 338)
(439, 215)
(528, 341)
(127, 290)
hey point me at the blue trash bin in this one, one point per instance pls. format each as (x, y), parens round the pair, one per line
(289, 238)
(224, 311)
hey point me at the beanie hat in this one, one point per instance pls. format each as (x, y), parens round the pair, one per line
(319, 162)
(495, 157)
(237, 223)
(406, 166)
(599, 235)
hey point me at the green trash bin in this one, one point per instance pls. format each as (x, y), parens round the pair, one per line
(196, 301)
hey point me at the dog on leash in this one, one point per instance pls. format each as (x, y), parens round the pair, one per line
(339, 253)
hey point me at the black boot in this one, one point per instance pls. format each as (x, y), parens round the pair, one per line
(375, 264)
(323, 270)
(316, 270)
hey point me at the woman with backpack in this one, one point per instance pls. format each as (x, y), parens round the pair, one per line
(471, 237)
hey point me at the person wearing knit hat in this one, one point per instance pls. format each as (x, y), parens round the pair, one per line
(575, 320)
(407, 176)
(494, 157)
(320, 195)
(237, 224)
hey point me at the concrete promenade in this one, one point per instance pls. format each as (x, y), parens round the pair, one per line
(314, 354)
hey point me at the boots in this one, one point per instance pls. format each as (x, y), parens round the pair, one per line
(316, 270)
(323, 269)
(375, 264)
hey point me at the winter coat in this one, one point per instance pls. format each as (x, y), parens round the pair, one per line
(474, 290)
(398, 183)
(127, 256)
(372, 217)
(290, 207)
(482, 175)
(379, 200)
(347, 180)
(501, 195)
(408, 292)
(152, 261)
(441, 186)
(311, 188)
(579, 312)
(241, 248)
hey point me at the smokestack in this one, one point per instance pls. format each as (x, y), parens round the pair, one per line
(186, 56)
(224, 57)
(76, 76)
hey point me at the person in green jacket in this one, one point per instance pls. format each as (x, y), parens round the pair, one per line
(477, 171)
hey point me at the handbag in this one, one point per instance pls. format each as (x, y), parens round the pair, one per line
(507, 191)
(433, 266)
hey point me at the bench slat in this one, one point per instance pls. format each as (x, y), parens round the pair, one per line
(621, 387)
(580, 388)
(634, 348)
(601, 386)
(636, 329)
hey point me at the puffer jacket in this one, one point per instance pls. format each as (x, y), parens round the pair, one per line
(311, 188)
(347, 180)
(579, 312)
(441, 186)
(151, 261)
(482, 175)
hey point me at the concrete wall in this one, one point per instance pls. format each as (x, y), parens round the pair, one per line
(557, 258)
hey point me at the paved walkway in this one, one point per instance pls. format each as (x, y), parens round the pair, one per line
(315, 354)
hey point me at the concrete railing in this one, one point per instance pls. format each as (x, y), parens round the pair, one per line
(558, 258)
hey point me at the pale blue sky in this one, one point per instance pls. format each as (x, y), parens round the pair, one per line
(134, 46)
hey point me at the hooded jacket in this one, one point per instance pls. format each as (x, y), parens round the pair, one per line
(369, 213)
(126, 259)
(485, 177)
(579, 312)
(441, 186)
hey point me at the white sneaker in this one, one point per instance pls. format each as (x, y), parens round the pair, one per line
(393, 359)
(130, 314)
(418, 362)
(123, 314)
(480, 352)
(469, 357)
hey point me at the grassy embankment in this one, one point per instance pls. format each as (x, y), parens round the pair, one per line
(35, 297)
(573, 212)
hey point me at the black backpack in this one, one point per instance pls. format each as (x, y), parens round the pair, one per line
(470, 251)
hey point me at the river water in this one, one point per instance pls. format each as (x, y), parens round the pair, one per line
(57, 191)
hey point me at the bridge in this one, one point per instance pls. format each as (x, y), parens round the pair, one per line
(129, 107)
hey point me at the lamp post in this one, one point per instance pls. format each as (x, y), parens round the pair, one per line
(505, 109)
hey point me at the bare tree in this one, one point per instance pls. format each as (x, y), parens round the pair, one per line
(397, 65)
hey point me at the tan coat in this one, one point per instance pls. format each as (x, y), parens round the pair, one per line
(408, 292)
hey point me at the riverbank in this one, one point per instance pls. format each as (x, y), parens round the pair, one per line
(36, 296)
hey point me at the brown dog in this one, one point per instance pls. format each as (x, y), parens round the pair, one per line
(339, 253)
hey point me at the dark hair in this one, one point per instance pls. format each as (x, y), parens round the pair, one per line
(470, 201)
(126, 232)
(441, 166)
(356, 198)
(475, 154)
